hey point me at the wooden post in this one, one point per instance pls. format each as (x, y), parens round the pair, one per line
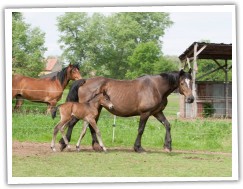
(194, 92)
(226, 90)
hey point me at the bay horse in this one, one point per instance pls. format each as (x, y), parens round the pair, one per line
(87, 111)
(144, 96)
(45, 90)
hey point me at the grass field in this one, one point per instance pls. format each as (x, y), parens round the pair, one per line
(192, 140)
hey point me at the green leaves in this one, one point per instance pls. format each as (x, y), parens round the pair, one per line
(27, 47)
(114, 45)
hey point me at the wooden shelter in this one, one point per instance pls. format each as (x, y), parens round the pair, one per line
(211, 51)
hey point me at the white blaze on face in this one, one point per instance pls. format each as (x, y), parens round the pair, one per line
(187, 82)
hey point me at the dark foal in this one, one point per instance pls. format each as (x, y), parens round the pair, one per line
(87, 111)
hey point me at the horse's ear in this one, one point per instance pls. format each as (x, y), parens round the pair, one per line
(104, 93)
(190, 71)
(181, 72)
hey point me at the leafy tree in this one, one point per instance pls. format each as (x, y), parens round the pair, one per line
(27, 47)
(80, 38)
(143, 59)
(105, 44)
(205, 66)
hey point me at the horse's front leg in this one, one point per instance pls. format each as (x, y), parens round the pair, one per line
(50, 105)
(83, 132)
(161, 117)
(142, 123)
(95, 142)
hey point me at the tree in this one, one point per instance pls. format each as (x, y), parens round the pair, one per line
(205, 66)
(27, 47)
(143, 59)
(104, 43)
(81, 38)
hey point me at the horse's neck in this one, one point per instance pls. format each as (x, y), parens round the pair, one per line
(64, 83)
(172, 85)
(63, 79)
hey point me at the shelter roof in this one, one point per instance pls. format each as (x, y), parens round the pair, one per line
(212, 51)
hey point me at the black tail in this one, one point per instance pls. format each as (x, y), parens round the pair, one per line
(73, 91)
(54, 111)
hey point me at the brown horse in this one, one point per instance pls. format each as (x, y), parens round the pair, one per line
(144, 96)
(87, 111)
(45, 90)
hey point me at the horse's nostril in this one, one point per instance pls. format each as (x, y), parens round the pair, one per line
(190, 99)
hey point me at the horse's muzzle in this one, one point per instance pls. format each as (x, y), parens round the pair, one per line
(190, 99)
(110, 107)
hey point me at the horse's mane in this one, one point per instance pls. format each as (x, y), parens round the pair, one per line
(171, 77)
(61, 75)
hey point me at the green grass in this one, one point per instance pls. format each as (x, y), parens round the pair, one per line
(32, 125)
(200, 134)
(122, 164)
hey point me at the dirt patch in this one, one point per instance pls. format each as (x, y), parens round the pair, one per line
(42, 149)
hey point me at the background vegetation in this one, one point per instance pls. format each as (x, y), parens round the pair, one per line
(27, 47)
(117, 45)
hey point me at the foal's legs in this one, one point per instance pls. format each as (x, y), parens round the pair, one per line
(161, 117)
(86, 124)
(59, 127)
(70, 125)
(142, 123)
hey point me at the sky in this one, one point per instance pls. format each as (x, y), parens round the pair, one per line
(188, 27)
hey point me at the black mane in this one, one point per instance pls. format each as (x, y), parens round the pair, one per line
(171, 77)
(61, 75)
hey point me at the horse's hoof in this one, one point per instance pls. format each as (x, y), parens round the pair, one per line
(53, 149)
(104, 150)
(97, 147)
(139, 149)
(62, 147)
(78, 149)
(167, 150)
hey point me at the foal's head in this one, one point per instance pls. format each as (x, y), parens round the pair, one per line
(73, 72)
(185, 85)
(105, 101)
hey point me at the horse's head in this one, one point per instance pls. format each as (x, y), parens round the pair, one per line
(105, 101)
(185, 85)
(73, 72)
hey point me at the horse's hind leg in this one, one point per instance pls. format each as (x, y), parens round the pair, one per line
(71, 124)
(62, 129)
(83, 132)
(98, 134)
(56, 129)
(19, 102)
(59, 127)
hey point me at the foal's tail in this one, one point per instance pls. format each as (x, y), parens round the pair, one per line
(54, 111)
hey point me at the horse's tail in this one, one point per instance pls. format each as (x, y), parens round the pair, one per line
(54, 111)
(73, 92)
